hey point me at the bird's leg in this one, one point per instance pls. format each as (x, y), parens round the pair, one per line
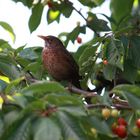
(69, 86)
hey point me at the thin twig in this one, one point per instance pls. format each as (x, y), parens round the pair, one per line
(117, 106)
(91, 106)
(120, 107)
(81, 92)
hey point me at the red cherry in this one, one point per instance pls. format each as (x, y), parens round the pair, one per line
(49, 3)
(105, 62)
(138, 123)
(121, 121)
(114, 128)
(121, 131)
(79, 40)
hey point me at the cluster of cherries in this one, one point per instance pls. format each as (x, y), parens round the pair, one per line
(119, 127)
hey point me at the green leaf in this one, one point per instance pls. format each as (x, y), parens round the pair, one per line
(20, 100)
(33, 67)
(43, 87)
(133, 89)
(9, 29)
(109, 72)
(130, 71)
(2, 42)
(88, 53)
(96, 24)
(134, 50)
(27, 3)
(46, 129)
(88, 3)
(53, 16)
(74, 34)
(71, 127)
(74, 110)
(35, 18)
(10, 117)
(120, 9)
(28, 53)
(114, 53)
(13, 84)
(3, 85)
(130, 93)
(18, 130)
(9, 70)
(87, 61)
(100, 125)
(65, 7)
(63, 99)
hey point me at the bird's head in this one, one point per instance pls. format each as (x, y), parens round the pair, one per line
(51, 41)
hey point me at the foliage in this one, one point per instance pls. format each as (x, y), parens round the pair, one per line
(34, 108)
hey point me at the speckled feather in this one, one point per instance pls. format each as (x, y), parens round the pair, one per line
(59, 62)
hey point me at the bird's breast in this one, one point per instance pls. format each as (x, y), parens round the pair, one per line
(56, 64)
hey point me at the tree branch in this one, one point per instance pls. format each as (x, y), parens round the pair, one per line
(81, 92)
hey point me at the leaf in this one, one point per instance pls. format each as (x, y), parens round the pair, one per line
(1, 102)
(4, 78)
(18, 130)
(33, 67)
(130, 93)
(88, 53)
(3, 85)
(109, 72)
(20, 100)
(2, 42)
(46, 129)
(63, 99)
(9, 29)
(65, 7)
(74, 34)
(76, 111)
(6, 58)
(28, 53)
(53, 16)
(9, 70)
(134, 50)
(130, 71)
(114, 53)
(35, 18)
(27, 3)
(71, 127)
(100, 125)
(43, 87)
(120, 9)
(88, 3)
(87, 61)
(96, 24)
(10, 117)
(13, 84)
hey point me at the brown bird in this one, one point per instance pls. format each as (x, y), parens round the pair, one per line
(59, 62)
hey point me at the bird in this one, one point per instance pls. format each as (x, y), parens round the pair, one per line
(58, 61)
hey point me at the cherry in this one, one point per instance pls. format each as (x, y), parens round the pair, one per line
(114, 128)
(121, 131)
(106, 113)
(79, 40)
(121, 121)
(138, 123)
(114, 113)
(135, 130)
(49, 3)
(105, 62)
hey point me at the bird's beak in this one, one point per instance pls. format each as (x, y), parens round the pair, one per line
(42, 37)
